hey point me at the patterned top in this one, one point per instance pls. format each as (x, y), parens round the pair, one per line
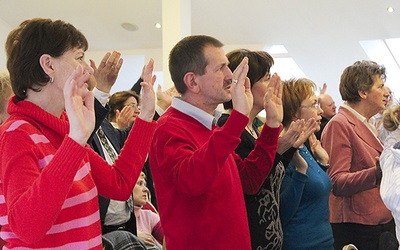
(263, 207)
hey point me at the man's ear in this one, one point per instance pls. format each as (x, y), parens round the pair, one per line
(190, 82)
(362, 94)
(46, 61)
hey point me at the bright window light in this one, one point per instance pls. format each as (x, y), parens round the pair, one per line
(386, 52)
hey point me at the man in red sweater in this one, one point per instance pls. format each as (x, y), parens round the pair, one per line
(199, 180)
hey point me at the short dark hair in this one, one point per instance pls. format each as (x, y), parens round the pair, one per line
(359, 77)
(27, 43)
(260, 63)
(188, 56)
(117, 102)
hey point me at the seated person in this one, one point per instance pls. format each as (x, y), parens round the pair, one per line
(124, 108)
(149, 228)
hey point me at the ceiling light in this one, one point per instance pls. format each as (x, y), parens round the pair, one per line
(390, 9)
(129, 26)
(158, 25)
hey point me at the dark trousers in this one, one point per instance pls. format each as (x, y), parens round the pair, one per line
(364, 237)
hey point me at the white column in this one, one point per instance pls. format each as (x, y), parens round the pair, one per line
(176, 24)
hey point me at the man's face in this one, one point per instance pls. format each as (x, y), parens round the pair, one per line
(215, 83)
(328, 106)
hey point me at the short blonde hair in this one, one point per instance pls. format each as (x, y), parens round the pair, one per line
(295, 91)
(390, 118)
(5, 89)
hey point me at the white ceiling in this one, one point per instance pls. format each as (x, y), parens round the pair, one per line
(321, 35)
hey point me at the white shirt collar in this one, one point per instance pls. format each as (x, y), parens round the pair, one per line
(198, 114)
(369, 123)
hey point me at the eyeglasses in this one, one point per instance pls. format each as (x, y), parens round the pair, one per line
(315, 105)
(133, 105)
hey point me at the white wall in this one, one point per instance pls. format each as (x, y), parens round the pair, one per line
(4, 30)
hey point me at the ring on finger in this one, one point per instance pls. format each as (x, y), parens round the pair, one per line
(235, 80)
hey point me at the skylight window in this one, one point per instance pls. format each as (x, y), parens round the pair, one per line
(284, 64)
(386, 52)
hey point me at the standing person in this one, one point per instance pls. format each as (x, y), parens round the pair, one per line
(5, 94)
(124, 108)
(108, 142)
(306, 186)
(357, 212)
(263, 207)
(50, 185)
(199, 180)
(389, 161)
(327, 104)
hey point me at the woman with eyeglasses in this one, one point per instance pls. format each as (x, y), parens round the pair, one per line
(357, 212)
(306, 186)
(124, 107)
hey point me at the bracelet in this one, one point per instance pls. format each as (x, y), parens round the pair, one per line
(324, 165)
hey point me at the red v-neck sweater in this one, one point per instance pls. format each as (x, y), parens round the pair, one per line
(199, 180)
(49, 183)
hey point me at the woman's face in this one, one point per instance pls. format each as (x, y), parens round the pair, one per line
(310, 109)
(259, 89)
(140, 192)
(131, 101)
(65, 64)
(377, 96)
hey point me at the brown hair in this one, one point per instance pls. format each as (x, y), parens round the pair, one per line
(293, 94)
(359, 77)
(27, 43)
(117, 101)
(260, 63)
(188, 56)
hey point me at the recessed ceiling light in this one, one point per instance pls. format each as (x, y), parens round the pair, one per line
(390, 9)
(129, 26)
(158, 25)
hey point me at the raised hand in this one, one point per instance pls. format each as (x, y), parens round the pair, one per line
(299, 162)
(79, 105)
(308, 130)
(287, 139)
(148, 95)
(107, 72)
(164, 98)
(124, 118)
(242, 98)
(273, 102)
(323, 89)
(319, 152)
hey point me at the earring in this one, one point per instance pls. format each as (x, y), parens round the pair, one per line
(51, 79)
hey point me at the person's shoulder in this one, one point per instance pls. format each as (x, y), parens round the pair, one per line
(222, 120)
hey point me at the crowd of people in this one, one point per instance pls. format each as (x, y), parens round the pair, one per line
(141, 169)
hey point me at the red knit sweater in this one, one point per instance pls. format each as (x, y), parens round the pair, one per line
(200, 181)
(49, 183)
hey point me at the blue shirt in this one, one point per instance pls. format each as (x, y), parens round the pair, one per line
(304, 206)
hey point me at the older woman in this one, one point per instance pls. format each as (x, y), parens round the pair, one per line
(305, 187)
(124, 108)
(357, 213)
(50, 184)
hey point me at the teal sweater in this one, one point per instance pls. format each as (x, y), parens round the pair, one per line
(304, 206)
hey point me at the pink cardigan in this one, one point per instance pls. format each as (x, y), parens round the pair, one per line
(355, 192)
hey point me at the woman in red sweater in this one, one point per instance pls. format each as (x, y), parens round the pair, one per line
(50, 178)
